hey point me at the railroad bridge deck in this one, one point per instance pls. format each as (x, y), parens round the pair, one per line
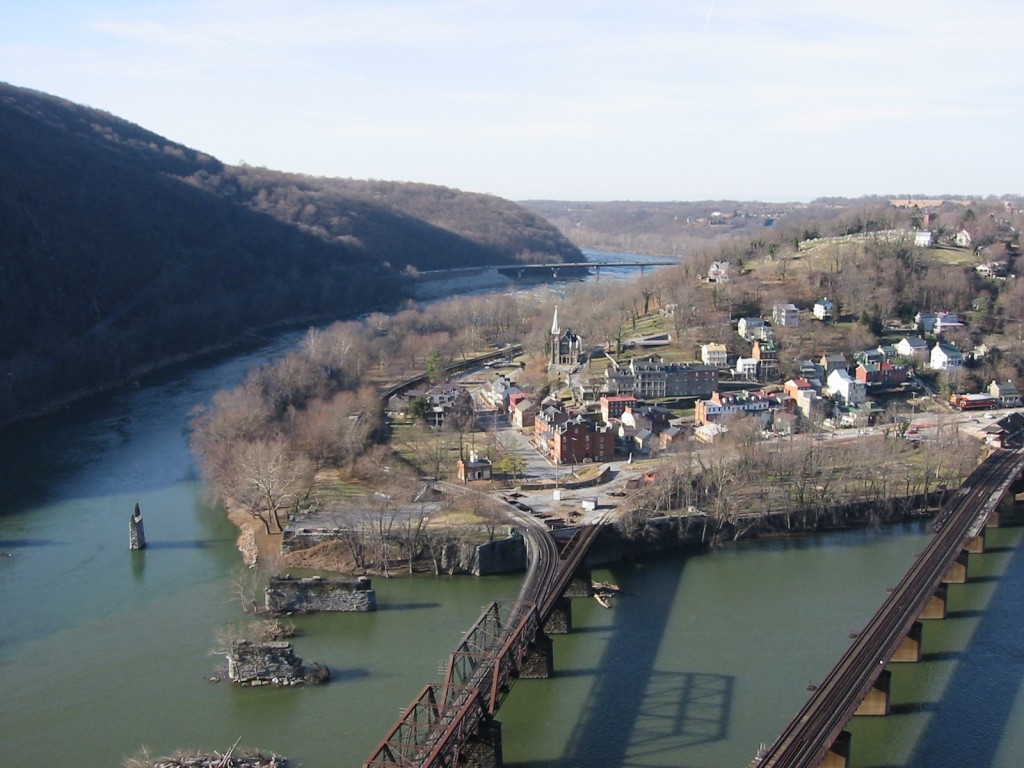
(452, 723)
(858, 683)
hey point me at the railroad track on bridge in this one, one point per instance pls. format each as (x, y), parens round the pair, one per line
(807, 739)
(444, 718)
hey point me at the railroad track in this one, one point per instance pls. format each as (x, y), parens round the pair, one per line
(809, 736)
(442, 719)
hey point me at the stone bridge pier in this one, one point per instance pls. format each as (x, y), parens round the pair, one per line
(539, 662)
(484, 750)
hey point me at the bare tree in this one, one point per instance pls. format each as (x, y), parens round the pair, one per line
(268, 482)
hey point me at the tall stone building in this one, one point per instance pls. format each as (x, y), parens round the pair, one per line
(566, 348)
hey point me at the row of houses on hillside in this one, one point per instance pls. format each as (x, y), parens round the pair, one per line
(784, 315)
(889, 363)
(441, 403)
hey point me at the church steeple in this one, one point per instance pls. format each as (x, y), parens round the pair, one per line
(555, 330)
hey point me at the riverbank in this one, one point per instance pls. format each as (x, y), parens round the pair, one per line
(249, 339)
(624, 540)
(125, 637)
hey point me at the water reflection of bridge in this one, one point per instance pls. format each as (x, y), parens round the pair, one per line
(452, 723)
(859, 682)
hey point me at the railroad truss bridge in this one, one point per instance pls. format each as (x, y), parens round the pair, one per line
(452, 723)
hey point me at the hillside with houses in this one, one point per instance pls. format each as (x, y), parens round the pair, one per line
(789, 384)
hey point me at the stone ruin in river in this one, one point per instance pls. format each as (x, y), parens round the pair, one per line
(286, 594)
(136, 533)
(271, 663)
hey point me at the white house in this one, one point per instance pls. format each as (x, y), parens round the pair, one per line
(945, 357)
(991, 269)
(750, 327)
(714, 354)
(963, 238)
(823, 309)
(913, 347)
(923, 238)
(786, 316)
(746, 368)
(843, 387)
(718, 272)
(706, 433)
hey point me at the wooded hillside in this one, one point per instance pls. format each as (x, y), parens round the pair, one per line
(120, 249)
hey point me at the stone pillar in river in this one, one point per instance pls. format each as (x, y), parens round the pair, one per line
(136, 533)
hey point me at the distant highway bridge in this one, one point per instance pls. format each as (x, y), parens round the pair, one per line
(859, 682)
(555, 268)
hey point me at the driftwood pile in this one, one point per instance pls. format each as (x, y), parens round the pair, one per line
(244, 759)
(217, 760)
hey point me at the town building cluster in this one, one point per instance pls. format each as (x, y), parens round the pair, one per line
(624, 411)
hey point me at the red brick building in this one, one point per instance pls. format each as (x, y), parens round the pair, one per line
(613, 406)
(579, 440)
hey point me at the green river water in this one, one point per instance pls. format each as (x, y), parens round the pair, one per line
(104, 651)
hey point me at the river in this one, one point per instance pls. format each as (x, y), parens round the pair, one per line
(104, 652)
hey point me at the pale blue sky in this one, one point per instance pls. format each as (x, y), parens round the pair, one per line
(563, 99)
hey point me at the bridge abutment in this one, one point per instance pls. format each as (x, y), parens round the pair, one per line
(910, 648)
(484, 750)
(876, 703)
(838, 755)
(539, 659)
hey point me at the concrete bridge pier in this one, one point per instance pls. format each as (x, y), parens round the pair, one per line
(484, 749)
(876, 703)
(976, 544)
(539, 659)
(838, 755)
(957, 573)
(935, 608)
(910, 648)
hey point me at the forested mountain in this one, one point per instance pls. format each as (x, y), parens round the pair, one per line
(120, 249)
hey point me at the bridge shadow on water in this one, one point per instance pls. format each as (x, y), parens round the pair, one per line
(637, 714)
(967, 613)
(409, 606)
(6, 544)
(974, 712)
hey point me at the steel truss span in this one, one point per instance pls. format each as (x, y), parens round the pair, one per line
(444, 718)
